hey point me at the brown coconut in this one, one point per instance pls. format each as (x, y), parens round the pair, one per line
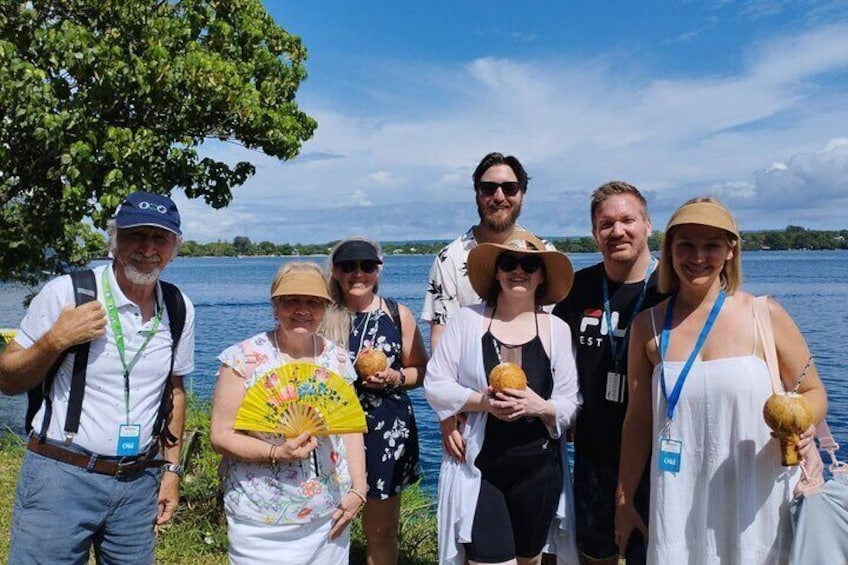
(788, 414)
(370, 362)
(507, 375)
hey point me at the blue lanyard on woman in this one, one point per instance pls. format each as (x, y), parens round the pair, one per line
(670, 450)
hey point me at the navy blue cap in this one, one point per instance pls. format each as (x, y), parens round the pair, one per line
(356, 250)
(148, 209)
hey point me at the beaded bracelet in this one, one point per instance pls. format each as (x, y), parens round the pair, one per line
(359, 494)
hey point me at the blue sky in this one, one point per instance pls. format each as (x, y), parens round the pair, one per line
(747, 101)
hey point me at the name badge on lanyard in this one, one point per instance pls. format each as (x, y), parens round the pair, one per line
(129, 436)
(615, 386)
(671, 450)
(617, 379)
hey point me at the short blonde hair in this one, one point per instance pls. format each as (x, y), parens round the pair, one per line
(731, 274)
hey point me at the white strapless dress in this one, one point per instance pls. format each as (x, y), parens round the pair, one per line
(729, 503)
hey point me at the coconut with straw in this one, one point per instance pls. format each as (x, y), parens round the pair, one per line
(788, 414)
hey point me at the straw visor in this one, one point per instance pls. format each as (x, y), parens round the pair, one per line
(704, 214)
(559, 274)
(302, 283)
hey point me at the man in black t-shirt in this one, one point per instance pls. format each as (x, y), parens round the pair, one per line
(607, 295)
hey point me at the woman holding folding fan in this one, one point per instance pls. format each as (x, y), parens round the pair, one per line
(287, 500)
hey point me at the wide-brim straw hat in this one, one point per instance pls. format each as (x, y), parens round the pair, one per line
(559, 273)
(704, 213)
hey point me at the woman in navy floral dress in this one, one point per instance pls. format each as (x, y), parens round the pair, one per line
(364, 320)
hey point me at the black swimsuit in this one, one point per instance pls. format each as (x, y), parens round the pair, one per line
(520, 463)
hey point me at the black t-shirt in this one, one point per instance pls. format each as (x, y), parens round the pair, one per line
(598, 429)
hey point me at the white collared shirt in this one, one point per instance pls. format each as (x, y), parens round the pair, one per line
(448, 286)
(103, 407)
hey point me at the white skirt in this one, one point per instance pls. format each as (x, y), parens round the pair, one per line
(293, 544)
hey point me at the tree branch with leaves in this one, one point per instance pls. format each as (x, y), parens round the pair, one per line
(101, 98)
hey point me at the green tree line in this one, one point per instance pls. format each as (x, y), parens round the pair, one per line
(793, 237)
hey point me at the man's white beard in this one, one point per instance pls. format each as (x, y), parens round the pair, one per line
(140, 278)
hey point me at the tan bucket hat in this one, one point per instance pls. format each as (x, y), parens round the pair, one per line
(559, 273)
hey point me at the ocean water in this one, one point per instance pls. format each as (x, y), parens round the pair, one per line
(231, 301)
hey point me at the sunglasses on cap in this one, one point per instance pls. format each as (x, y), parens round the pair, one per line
(364, 266)
(507, 262)
(488, 188)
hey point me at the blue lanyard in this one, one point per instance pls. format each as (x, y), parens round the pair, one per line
(666, 336)
(617, 354)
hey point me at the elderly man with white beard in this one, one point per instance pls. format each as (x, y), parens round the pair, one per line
(107, 351)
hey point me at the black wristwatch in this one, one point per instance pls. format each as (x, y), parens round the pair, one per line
(174, 468)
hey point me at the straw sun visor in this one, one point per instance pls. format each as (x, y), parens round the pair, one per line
(705, 214)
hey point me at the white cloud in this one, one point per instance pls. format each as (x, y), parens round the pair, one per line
(385, 178)
(405, 173)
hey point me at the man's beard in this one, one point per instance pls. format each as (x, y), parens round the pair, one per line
(141, 278)
(496, 221)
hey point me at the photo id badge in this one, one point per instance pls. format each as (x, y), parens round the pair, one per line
(129, 436)
(615, 387)
(669, 459)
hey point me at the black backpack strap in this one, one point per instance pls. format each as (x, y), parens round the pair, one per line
(85, 290)
(394, 312)
(176, 307)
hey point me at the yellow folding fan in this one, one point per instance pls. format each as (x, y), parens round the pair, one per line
(301, 397)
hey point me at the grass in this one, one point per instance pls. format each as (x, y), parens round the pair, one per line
(198, 533)
(11, 453)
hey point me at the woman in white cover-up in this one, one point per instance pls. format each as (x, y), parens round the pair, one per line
(510, 497)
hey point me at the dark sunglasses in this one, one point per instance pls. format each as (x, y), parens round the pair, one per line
(507, 262)
(510, 188)
(364, 266)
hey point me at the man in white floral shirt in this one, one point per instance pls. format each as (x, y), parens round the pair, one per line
(500, 183)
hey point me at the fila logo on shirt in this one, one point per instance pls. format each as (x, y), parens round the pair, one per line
(593, 327)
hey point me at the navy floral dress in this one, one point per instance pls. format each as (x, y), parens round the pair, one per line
(391, 444)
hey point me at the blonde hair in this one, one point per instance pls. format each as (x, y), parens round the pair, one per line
(336, 324)
(731, 273)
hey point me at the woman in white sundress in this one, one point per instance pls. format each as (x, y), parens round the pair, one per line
(698, 382)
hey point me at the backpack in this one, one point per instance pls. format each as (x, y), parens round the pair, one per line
(85, 290)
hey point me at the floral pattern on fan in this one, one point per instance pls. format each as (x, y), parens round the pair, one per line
(300, 397)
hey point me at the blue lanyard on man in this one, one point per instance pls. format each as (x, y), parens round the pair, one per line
(129, 435)
(616, 382)
(670, 450)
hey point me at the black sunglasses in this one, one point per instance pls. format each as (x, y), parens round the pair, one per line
(507, 262)
(364, 266)
(488, 188)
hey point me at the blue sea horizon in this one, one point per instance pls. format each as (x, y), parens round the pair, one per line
(231, 302)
